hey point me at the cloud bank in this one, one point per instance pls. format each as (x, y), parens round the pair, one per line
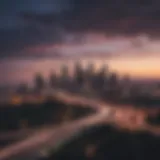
(27, 23)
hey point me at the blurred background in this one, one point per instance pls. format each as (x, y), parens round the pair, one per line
(79, 79)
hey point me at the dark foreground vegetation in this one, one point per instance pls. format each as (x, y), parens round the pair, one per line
(35, 115)
(26, 116)
(107, 143)
(154, 120)
(138, 101)
(144, 101)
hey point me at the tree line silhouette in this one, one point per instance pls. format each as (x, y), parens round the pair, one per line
(105, 142)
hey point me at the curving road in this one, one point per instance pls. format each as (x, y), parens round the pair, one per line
(51, 136)
(33, 147)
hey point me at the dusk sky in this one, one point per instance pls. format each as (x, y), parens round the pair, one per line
(127, 32)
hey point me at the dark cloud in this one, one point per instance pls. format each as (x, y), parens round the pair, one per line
(30, 22)
(16, 40)
(22, 26)
(125, 17)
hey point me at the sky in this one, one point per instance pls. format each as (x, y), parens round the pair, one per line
(126, 30)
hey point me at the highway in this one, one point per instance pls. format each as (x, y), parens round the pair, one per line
(49, 137)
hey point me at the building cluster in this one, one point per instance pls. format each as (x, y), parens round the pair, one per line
(101, 83)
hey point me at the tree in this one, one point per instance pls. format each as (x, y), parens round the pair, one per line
(23, 124)
(39, 82)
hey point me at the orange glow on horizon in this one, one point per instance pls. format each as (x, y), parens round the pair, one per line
(123, 56)
(137, 67)
(140, 67)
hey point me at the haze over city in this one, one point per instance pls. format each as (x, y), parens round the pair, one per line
(79, 79)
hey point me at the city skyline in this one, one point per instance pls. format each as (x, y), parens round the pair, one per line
(24, 70)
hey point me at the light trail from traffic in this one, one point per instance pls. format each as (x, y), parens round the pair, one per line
(121, 117)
